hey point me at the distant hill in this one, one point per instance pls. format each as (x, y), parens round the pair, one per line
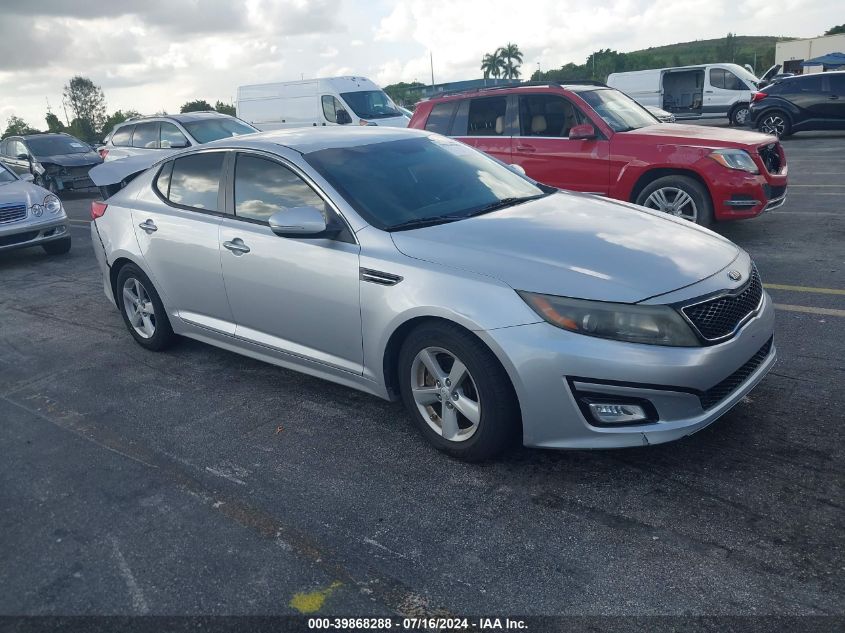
(739, 49)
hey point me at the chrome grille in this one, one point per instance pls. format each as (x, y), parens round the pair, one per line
(719, 318)
(770, 154)
(12, 213)
(719, 392)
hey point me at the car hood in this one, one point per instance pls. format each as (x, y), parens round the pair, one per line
(72, 160)
(576, 245)
(21, 192)
(683, 134)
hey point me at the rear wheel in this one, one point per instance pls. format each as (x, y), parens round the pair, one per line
(57, 247)
(458, 394)
(142, 310)
(681, 196)
(739, 115)
(776, 123)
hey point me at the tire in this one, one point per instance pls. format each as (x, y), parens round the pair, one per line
(484, 391)
(57, 247)
(739, 115)
(775, 122)
(160, 335)
(698, 209)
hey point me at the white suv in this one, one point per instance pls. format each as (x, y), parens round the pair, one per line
(170, 132)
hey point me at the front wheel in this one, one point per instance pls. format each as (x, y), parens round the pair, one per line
(739, 115)
(681, 196)
(775, 123)
(457, 393)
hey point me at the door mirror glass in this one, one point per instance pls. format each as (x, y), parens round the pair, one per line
(298, 222)
(27, 177)
(517, 169)
(585, 131)
(22, 156)
(343, 117)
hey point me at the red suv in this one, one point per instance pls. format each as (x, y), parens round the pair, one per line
(598, 140)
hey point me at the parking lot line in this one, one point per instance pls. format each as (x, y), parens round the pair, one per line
(810, 310)
(80, 222)
(827, 186)
(822, 291)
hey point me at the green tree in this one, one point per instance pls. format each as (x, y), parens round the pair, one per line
(512, 57)
(16, 126)
(117, 117)
(836, 30)
(492, 64)
(197, 105)
(87, 101)
(729, 49)
(83, 130)
(405, 93)
(54, 125)
(225, 108)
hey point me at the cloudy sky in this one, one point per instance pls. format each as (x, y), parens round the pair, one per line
(154, 55)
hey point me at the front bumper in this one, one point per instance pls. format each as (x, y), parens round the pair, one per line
(549, 367)
(28, 233)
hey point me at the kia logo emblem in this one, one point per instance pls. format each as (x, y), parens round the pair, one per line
(735, 275)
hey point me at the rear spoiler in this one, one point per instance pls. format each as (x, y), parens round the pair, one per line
(114, 175)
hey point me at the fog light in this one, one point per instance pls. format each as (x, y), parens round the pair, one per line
(617, 413)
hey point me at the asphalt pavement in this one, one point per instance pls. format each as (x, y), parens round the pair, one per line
(198, 481)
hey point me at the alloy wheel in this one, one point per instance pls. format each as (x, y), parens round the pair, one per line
(674, 201)
(445, 394)
(741, 116)
(139, 308)
(773, 124)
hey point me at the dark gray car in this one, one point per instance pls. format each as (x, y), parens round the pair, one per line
(57, 162)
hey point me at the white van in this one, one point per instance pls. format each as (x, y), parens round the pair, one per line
(317, 102)
(709, 91)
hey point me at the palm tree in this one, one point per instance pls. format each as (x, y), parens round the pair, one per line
(492, 64)
(511, 54)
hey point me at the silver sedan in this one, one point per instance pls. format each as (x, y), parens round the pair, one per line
(411, 266)
(30, 215)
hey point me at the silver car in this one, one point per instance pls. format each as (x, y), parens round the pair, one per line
(30, 215)
(412, 266)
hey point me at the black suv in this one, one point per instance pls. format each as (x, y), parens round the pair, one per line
(57, 161)
(803, 102)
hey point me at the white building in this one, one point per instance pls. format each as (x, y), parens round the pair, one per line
(790, 54)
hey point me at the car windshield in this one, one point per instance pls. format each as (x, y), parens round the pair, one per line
(207, 130)
(5, 175)
(417, 181)
(618, 110)
(370, 104)
(56, 146)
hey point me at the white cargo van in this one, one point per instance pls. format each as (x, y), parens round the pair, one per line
(317, 102)
(709, 91)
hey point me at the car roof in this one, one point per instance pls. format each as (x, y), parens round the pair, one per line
(529, 86)
(311, 139)
(182, 117)
(27, 137)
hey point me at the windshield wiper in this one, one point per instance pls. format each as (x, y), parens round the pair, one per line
(503, 203)
(417, 223)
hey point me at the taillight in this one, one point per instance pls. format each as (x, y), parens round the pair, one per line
(758, 96)
(98, 209)
(103, 152)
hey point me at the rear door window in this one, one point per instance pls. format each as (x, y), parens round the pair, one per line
(547, 115)
(487, 116)
(146, 135)
(171, 136)
(725, 79)
(195, 181)
(122, 137)
(440, 117)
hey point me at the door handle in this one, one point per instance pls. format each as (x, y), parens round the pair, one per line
(525, 148)
(833, 97)
(708, 92)
(149, 226)
(237, 246)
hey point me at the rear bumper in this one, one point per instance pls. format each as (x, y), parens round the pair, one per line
(24, 235)
(102, 261)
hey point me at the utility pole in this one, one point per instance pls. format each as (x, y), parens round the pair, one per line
(431, 59)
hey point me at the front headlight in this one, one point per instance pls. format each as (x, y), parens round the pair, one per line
(653, 325)
(735, 159)
(52, 203)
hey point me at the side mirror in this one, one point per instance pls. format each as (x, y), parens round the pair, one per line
(343, 117)
(22, 156)
(178, 145)
(517, 169)
(299, 222)
(27, 177)
(582, 132)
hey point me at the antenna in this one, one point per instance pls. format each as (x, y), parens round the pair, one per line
(431, 59)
